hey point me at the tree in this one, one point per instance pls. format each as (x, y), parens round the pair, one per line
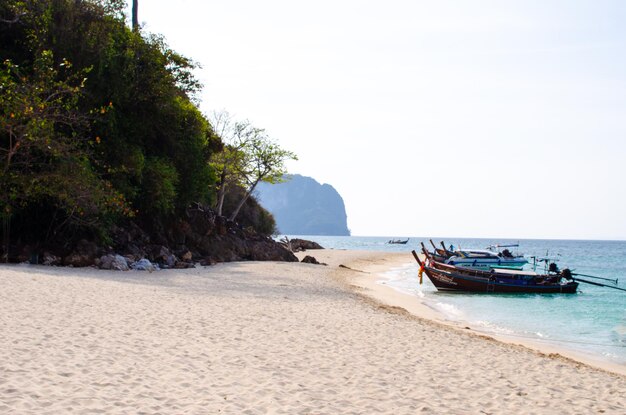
(264, 161)
(116, 131)
(135, 15)
(247, 158)
(44, 148)
(229, 162)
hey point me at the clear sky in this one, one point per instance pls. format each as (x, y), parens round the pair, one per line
(444, 118)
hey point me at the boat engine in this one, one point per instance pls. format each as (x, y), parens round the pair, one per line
(567, 274)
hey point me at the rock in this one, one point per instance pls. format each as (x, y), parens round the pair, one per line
(87, 248)
(144, 265)
(311, 260)
(171, 261)
(84, 255)
(298, 245)
(26, 255)
(49, 259)
(187, 256)
(159, 253)
(119, 263)
(201, 234)
(302, 206)
(113, 262)
(183, 265)
(266, 249)
(78, 260)
(104, 262)
(207, 262)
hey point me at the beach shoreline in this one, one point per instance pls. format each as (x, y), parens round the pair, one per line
(372, 284)
(262, 337)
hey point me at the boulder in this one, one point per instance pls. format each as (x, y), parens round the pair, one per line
(159, 253)
(268, 250)
(77, 260)
(299, 245)
(302, 245)
(113, 262)
(186, 256)
(50, 259)
(171, 261)
(311, 260)
(84, 255)
(144, 265)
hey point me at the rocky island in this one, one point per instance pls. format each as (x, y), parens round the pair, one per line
(302, 206)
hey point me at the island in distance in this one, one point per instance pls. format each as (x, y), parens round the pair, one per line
(302, 206)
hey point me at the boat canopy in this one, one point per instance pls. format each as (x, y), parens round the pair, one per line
(477, 253)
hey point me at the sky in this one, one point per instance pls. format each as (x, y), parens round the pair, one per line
(496, 119)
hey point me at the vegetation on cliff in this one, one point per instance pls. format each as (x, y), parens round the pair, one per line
(99, 127)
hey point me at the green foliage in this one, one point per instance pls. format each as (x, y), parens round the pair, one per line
(251, 214)
(159, 186)
(264, 161)
(97, 122)
(229, 162)
(43, 143)
(249, 157)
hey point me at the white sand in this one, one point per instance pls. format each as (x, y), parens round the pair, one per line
(266, 338)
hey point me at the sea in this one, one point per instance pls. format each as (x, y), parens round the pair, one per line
(591, 322)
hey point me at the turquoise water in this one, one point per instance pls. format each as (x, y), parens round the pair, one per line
(593, 321)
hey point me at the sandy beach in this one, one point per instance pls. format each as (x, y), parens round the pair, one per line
(265, 338)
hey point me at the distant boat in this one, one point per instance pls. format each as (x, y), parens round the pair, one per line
(447, 277)
(398, 241)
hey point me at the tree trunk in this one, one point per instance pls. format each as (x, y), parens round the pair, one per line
(242, 201)
(135, 15)
(221, 193)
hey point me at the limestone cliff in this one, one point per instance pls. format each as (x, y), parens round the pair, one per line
(302, 206)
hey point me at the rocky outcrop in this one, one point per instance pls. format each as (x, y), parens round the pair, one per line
(83, 255)
(302, 206)
(200, 237)
(311, 260)
(298, 245)
(302, 245)
(215, 239)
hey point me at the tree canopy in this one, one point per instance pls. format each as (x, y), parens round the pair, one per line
(99, 124)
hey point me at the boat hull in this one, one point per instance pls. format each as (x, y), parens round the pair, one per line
(451, 280)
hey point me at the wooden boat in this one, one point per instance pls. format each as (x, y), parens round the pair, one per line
(479, 258)
(446, 277)
(398, 241)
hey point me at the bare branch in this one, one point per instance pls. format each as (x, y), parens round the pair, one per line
(14, 20)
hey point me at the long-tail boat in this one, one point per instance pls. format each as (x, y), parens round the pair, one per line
(398, 241)
(479, 258)
(448, 277)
